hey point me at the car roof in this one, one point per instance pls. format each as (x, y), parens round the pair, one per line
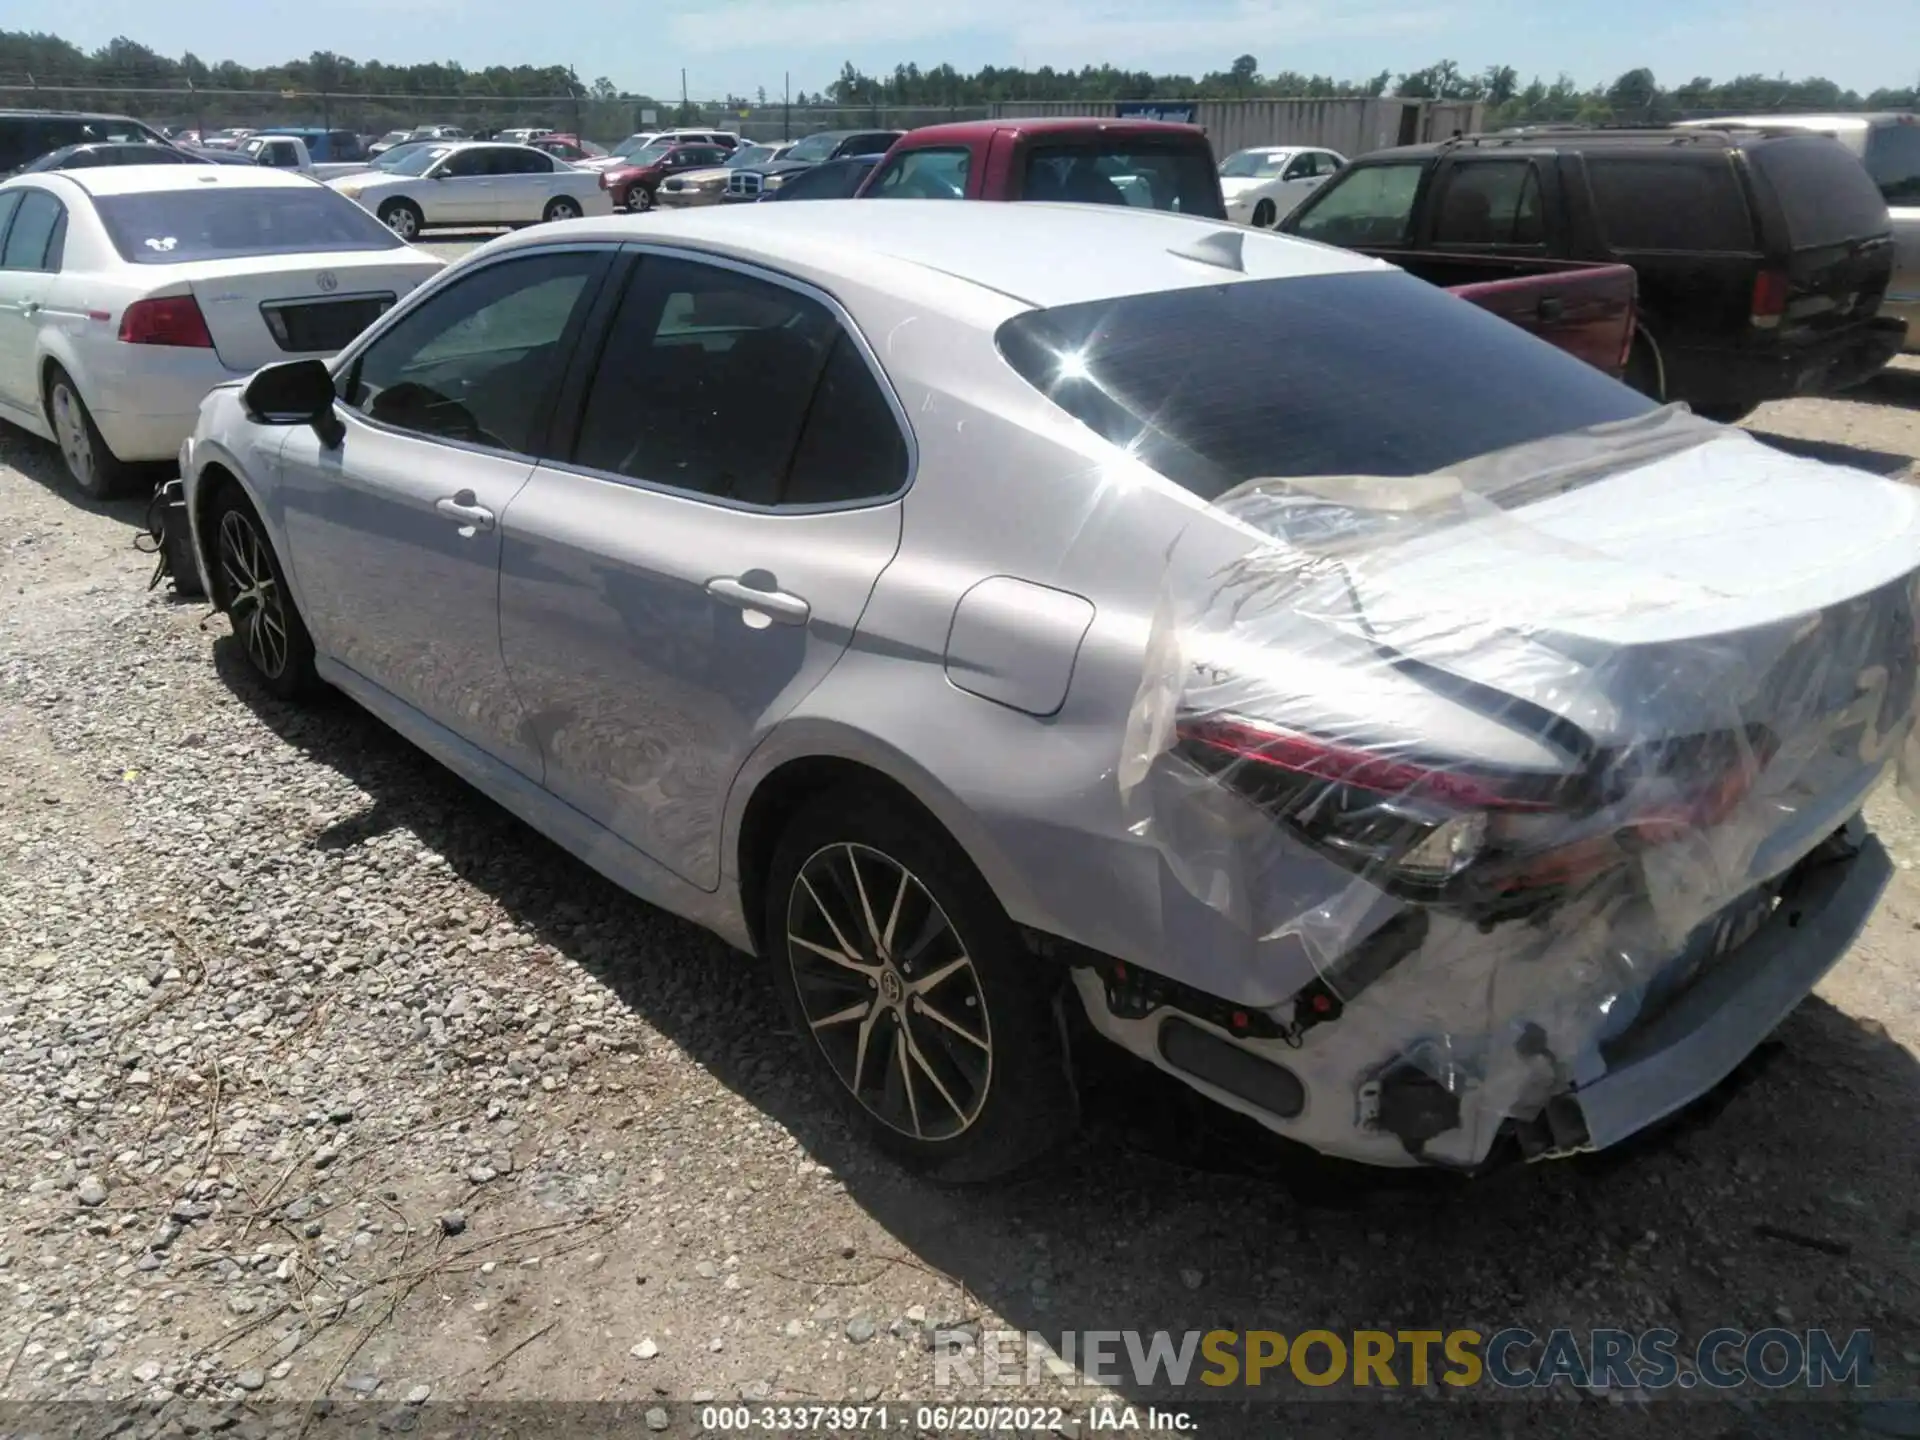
(970, 130)
(1040, 254)
(1550, 137)
(10, 114)
(144, 179)
(1804, 122)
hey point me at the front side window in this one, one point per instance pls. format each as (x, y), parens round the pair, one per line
(1371, 373)
(418, 160)
(36, 226)
(734, 387)
(476, 362)
(464, 164)
(1490, 202)
(925, 175)
(1371, 205)
(1893, 160)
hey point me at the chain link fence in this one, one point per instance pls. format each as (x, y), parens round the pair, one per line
(603, 121)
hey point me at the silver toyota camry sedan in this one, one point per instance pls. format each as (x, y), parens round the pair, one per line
(1007, 617)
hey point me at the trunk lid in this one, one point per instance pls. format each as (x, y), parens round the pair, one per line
(269, 308)
(1722, 591)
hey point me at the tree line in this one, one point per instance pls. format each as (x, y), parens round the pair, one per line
(73, 77)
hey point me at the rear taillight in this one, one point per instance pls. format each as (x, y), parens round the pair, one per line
(1769, 298)
(170, 320)
(1487, 843)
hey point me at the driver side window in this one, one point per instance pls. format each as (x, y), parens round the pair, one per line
(477, 362)
(1372, 205)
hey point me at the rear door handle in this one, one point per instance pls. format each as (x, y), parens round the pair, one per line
(29, 307)
(1551, 308)
(787, 609)
(465, 509)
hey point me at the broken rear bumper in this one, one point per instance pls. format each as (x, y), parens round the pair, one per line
(1673, 1059)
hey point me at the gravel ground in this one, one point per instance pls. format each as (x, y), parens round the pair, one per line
(321, 1076)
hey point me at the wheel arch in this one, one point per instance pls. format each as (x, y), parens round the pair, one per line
(57, 354)
(791, 769)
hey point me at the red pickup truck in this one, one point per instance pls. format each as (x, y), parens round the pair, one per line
(1584, 309)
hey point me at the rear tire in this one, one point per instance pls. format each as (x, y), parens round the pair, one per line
(912, 993)
(1265, 215)
(250, 586)
(561, 209)
(95, 470)
(1730, 413)
(1643, 372)
(403, 217)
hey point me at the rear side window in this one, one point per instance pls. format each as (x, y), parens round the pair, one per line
(1491, 202)
(1655, 203)
(1371, 205)
(1151, 177)
(737, 388)
(1893, 160)
(924, 175)
(851, 448)
(1827, 196)
(37, 224)
(169, 227)
(1374, 373)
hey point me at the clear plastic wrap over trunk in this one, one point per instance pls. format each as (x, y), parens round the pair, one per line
(1477, 774)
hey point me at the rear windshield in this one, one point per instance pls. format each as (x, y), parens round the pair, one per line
(1152, 177)
(1368, 374)
(1893, 160)
(1653, 203)
(1825, 192)
(170, 227)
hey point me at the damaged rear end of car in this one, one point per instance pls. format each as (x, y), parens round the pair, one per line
(1501, 806)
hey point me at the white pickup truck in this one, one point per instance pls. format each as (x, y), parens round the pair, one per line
(289, 152)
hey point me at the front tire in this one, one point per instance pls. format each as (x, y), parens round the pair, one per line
(403, 217)
(95, 470)
(250, 586)
(1265, 215)
(912, 992)
(639, 200)
(561, 209)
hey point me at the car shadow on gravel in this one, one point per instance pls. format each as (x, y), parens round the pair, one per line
(1897, 385)
(39, 462)
(1832, 452)
(1787, 1193)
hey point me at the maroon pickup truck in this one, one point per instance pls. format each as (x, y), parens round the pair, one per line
(1584, 309)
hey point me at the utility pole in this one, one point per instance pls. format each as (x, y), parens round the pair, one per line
(786, 119)
(685, 108)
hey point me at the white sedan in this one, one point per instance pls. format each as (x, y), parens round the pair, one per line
(475, 183)
(127, 292)
(1262, 185)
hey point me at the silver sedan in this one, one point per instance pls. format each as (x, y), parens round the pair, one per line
(1003, 616)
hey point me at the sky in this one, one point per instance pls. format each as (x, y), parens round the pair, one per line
(737, 46)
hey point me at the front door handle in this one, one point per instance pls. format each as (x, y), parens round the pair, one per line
(29, 307)
(465, 509)
(1552, 308)
(777, 604)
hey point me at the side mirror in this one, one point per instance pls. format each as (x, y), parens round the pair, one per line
(298, 392)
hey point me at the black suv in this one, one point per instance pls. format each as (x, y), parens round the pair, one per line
(1762, 258)
(26, 135)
